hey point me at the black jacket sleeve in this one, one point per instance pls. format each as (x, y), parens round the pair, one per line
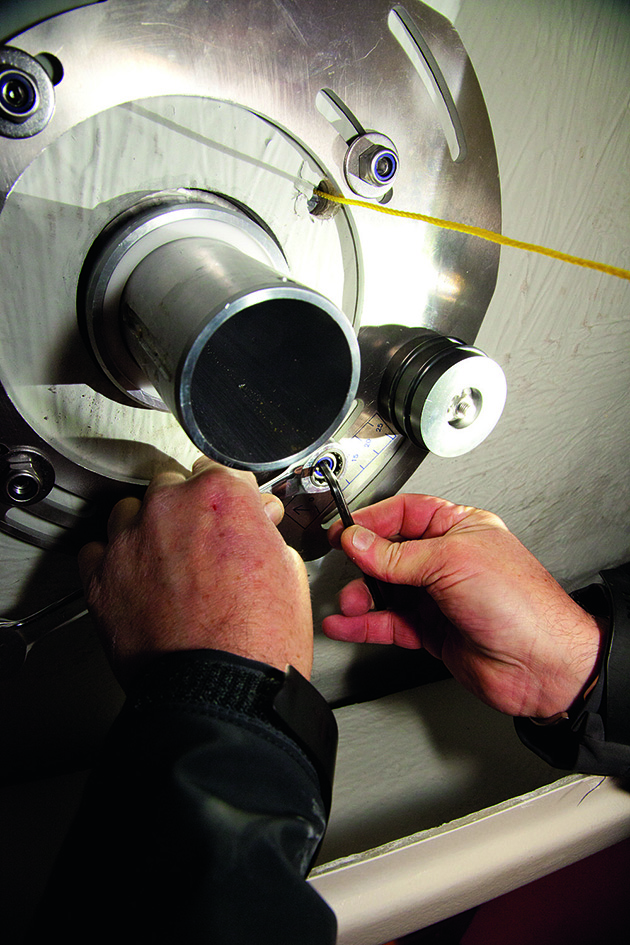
(201, 820)
(595, 738)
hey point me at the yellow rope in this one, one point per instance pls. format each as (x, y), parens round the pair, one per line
(482, 233)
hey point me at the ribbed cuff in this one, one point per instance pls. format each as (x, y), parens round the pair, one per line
(211, 678)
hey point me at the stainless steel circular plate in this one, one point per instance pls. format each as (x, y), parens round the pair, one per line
(226, 97)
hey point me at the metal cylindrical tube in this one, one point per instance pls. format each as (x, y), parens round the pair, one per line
(259, 370)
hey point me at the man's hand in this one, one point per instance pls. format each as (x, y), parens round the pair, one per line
(199, 564)
(481, 603)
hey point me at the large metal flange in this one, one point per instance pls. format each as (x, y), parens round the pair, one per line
(260, 105)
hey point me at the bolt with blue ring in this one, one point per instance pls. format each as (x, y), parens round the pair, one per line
(370, 165)
(378, 165)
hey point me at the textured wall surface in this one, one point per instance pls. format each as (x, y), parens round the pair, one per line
(556, 79)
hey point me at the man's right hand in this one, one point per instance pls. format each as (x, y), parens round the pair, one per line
(482, 603)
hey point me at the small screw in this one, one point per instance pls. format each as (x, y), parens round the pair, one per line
(464, 408)
(19, 97)
(320, 207)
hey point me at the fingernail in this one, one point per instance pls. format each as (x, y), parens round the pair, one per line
(362, 538)
(273, 509)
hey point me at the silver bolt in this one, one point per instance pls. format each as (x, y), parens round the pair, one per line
(464, 408)
(370, 165)
(26, 476)
(378, 165)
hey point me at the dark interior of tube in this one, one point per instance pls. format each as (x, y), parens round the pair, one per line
(270, 381)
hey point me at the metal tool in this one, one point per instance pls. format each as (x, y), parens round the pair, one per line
(373, 586)
(17, 637)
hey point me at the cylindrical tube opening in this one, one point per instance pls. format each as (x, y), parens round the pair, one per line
(259, 370)
(271, 382)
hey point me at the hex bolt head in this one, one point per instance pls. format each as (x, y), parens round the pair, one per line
(27, 95)
(26, 477)
(370, 165)
(378, 165)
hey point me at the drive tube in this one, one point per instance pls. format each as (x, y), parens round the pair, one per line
(259, 370)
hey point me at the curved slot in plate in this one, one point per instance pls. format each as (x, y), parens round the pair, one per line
(406, 32)
(337, 114)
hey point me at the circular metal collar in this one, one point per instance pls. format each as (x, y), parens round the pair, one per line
(125, 244)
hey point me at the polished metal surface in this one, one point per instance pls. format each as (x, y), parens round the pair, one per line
(227, 98)
(19, 15)
(126, 242)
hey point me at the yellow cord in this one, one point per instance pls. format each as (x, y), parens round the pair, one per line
(482, 233)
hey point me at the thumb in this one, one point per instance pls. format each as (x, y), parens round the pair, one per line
(273, 507)
(397, 562)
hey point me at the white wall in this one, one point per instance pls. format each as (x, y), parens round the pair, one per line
(556, 79)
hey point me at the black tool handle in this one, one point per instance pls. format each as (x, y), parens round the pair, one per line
(373, 585)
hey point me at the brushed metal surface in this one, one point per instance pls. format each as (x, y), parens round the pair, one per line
(223, 97)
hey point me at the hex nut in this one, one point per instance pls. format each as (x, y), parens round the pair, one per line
(26, 477)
